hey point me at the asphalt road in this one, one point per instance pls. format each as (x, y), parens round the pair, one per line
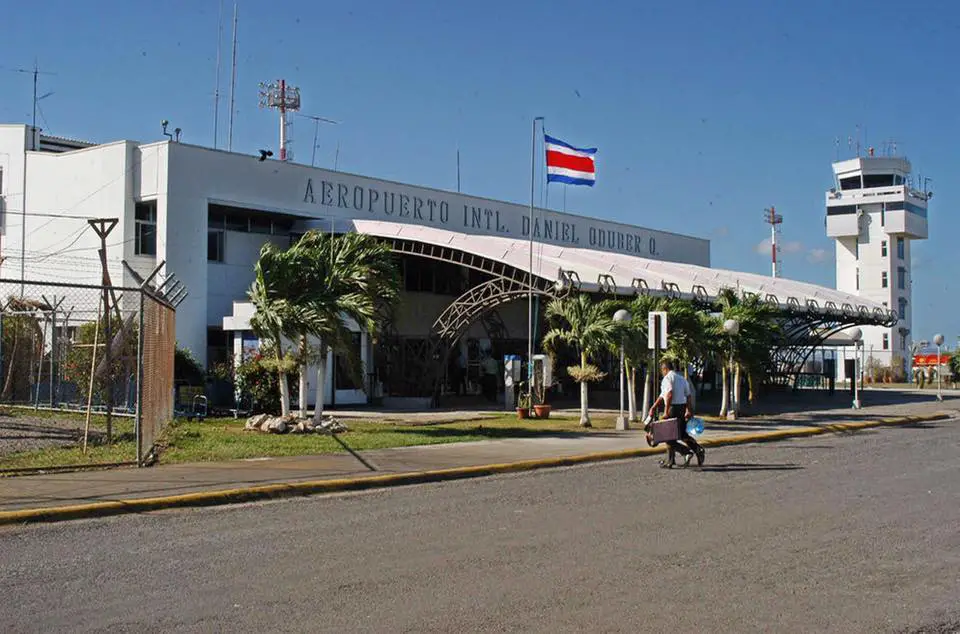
(857, 533)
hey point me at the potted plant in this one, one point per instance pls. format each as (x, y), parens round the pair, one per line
(540, 408)
(523, 405)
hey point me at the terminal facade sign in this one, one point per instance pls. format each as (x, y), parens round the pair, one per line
(358, 197)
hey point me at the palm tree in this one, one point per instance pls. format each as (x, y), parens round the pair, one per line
(275, 295)
(755, 340)
(588, 327)
(348, 276)
(636, 352)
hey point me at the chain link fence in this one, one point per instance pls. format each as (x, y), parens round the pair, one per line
(84, 365)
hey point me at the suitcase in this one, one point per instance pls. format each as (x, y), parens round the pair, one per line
(662, 431)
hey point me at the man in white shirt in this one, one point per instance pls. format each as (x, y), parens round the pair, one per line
(676, 398)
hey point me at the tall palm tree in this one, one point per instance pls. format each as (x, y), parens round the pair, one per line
(276, 296)
(753, 345)
(308, 290)
(636, 351)
(586, 326)
(348, 276)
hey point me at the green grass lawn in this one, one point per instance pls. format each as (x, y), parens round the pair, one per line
(225, 439)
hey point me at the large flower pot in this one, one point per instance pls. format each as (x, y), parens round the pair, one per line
(523, 412)
(542, 411)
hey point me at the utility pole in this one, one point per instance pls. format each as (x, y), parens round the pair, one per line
(103, 227)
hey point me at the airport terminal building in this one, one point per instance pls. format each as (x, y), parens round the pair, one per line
(205, 214)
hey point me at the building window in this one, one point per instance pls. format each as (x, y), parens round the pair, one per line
(901, 278)
(858, 279)
(902, 308)
(218, 346)
(215, 246)
(145, 228)
(343, 378)
(883, 280)
(886, 341)
(903, 342)
(883, 248)
(901, 248)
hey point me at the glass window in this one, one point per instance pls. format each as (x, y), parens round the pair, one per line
(902, 278)
(215, 246)
(858, 279)
(901, 248)
(902, 308)
(883, 248)
(883, 279)
(342, 377)
(259, 224)
(886, 341)
(145, 228)
(841, 210)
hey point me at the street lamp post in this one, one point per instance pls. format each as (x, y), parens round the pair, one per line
(732, 327)
(856, 334)
(622, 317)
(938, 339)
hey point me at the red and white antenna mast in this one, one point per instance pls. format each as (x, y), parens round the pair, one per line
(772, 218)
(285, 98)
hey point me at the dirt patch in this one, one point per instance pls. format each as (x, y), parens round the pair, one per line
(24, 432)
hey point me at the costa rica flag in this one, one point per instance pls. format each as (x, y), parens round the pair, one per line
(568, 164)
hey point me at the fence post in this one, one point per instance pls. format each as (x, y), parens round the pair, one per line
(139, 409)
(53, 345)
(1, 350)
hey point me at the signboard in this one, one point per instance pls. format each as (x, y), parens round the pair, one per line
(347, 196)
(930, 360)
(657, 324)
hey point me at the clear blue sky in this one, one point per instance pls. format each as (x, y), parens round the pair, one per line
(704, 112)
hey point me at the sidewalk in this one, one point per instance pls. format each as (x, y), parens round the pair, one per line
(83, 488)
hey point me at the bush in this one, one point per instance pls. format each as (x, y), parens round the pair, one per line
(258, 385)
(186, 370)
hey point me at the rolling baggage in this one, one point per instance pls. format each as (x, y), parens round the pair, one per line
(662, 431)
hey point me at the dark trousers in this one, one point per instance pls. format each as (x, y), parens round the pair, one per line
(688, 444)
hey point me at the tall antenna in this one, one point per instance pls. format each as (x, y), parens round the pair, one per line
(233, 79)
(36, 72)
(772, 218)
(216, 89)
(278, 95)
(316, 133)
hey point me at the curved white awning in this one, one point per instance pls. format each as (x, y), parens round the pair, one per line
(597, 269)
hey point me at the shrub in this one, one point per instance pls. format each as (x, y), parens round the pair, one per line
(258, 385)
(186, 370)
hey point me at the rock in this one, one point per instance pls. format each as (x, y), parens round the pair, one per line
(276, 426)
(256, 422)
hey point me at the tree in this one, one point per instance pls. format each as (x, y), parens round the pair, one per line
(278, 296)
(586, 326)
(636, 352)
(352, 276)
(753, 344)
(309, 289)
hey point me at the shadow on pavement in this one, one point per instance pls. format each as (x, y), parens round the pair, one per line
(748, 466)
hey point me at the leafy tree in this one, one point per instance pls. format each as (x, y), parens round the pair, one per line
(309, 289)
(588, 327)
(753, 344)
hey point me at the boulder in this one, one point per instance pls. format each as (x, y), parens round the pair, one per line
(256, 422)
(276, 426)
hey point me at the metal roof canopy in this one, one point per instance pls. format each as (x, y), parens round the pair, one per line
(622, 274)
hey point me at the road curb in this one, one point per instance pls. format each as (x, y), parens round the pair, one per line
(299, 489)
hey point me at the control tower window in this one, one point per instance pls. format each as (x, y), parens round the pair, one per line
(878, 180)
(852, 182)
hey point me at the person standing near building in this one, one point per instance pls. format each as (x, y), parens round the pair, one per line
(675, 396)
(490, 370)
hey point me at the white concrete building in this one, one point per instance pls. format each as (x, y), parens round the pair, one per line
(874, 212)
(206, 213)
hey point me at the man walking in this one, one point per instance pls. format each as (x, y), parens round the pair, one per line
(675, 396)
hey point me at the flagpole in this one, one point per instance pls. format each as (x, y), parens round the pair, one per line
(533, 177)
